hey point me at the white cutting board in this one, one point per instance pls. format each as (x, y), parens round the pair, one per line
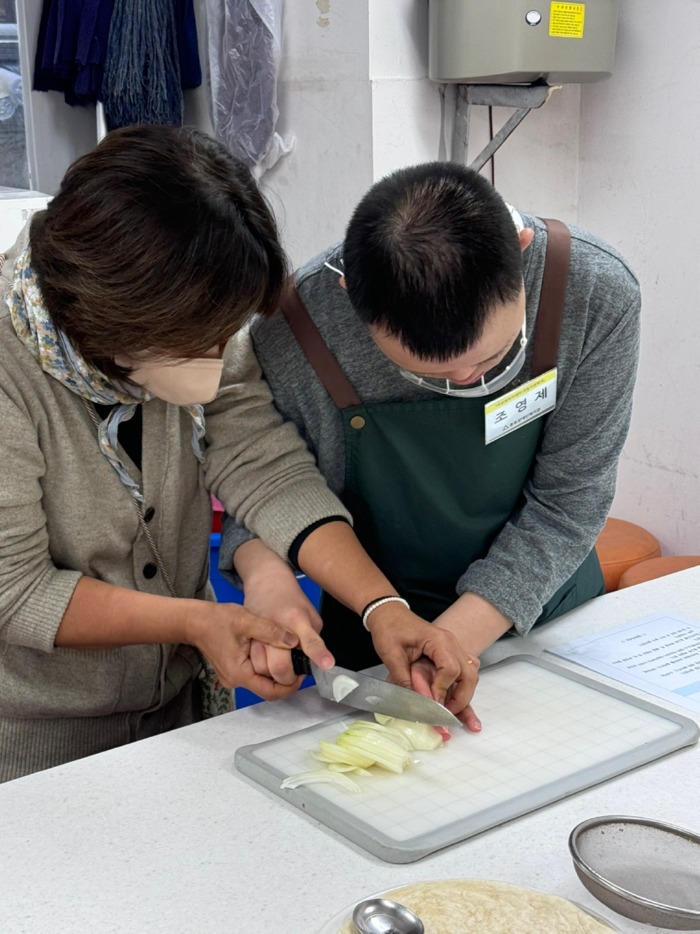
(548, 732)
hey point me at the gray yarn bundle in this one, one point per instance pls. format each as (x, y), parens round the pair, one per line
(141, 81)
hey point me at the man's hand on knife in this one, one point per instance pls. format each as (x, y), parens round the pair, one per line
(427, 659)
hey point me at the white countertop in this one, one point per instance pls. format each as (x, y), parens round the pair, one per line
(165, 836)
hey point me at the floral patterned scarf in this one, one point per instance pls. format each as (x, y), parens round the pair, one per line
(58, 358)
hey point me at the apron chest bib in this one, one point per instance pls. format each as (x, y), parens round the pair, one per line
(426, 494)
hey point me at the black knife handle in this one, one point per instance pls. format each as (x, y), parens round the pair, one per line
(300, 663)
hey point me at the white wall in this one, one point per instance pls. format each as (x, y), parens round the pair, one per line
(406, 110)
(640, 188)
(324, 98)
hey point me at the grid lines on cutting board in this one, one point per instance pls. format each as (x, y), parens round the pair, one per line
(540, 729)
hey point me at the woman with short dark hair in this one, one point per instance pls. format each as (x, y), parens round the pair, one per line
(118, 423)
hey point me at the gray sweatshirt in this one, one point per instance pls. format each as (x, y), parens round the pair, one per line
(569, 492)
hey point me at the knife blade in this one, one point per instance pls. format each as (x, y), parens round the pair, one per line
(364, 692)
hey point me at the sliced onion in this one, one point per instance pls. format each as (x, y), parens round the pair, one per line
(418, 735)
(337, 767)
(322, 776)
(384, 752)
(388, 731)
(332, 752)
(364, 743)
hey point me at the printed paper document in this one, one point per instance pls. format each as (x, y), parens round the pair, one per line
(658, 654)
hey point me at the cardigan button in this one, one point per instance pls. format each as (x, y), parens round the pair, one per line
(149, 514)
(149, 571)
(357, 422)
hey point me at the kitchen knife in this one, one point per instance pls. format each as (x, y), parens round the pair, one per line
(366, 693)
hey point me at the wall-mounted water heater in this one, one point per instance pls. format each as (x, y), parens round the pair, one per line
(521, 41)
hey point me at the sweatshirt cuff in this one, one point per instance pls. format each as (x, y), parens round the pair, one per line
(279, 523)
(302, 536)
(35, 624)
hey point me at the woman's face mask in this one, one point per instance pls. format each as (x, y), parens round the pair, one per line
(181, 382)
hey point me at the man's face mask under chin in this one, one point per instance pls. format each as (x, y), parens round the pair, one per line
(181, 382)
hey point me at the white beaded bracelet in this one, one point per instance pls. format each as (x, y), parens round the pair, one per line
(378, 602)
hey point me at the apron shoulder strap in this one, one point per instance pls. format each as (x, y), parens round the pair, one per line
(309, 338)
(552, 297)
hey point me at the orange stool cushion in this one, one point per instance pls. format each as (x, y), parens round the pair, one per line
(657, 567)
(620, 545)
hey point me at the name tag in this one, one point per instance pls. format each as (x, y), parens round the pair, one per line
(520, 406)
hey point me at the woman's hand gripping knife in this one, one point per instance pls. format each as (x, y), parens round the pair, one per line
(272, 591)
(224, 632)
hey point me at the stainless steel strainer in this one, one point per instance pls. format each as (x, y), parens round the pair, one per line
(641, 868)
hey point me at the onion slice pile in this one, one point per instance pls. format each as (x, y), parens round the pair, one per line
(387, 744)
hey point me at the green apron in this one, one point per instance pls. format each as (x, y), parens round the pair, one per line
(427, 495)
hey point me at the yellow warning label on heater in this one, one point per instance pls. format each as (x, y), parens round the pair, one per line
(566, 20)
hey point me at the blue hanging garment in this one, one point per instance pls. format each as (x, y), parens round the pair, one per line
(187, 47)
(71, 48)
(151, 54)
(134, 55)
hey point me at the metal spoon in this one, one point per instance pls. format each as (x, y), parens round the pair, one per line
(382, 916)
